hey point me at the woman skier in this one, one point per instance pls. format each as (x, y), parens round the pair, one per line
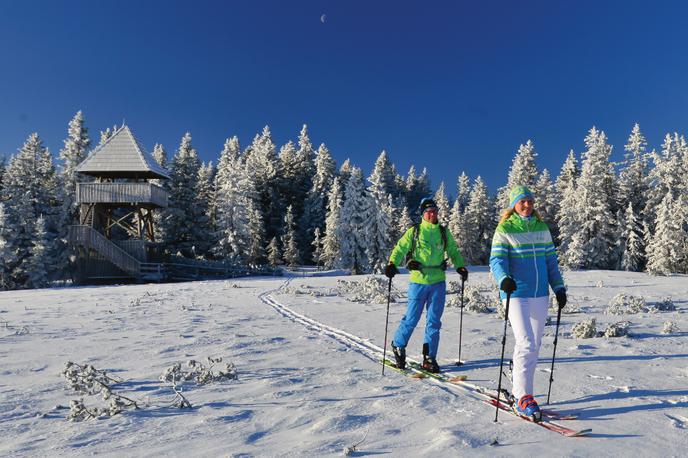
(523, 261)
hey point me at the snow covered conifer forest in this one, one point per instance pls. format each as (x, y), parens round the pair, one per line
(292, 205)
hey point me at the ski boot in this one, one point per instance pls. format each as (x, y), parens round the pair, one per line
(527, 407)
(429, 363)
(399, 356)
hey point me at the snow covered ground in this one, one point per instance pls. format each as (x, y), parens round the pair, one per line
(304, 391)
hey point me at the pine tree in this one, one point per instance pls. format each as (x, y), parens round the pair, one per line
(256, 229)
(591, 247)
(332, 242)
(478, 225)
(236, 211)
(106, 134)
(74, 152)
(315, 208)
(37, 265)
(206, 211)
(457, 226)
(181, 228)
(31, 191)
(566, 195)
(546, 200)
(663, 243)
(317, 246)
(274, 258)
(631, 242)
(404, 223)
(262, 162)
(352, 229)
(291, 252)
(345, 172)
(463, 190)
(633, 174)
(380, 232)
(442, 204)
(523, 172)
(7, 234)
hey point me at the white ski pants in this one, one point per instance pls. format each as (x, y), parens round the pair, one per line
(527, 316)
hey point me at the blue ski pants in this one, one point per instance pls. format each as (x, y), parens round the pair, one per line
(420, 296)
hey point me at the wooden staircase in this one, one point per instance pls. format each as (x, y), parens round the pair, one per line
(90, 239)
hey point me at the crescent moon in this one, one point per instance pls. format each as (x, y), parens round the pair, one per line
(322, 18)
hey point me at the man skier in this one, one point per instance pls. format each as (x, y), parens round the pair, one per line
(426, 244)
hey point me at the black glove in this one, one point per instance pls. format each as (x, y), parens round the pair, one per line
(413, 265)
(508, 285)
(463, 272)
(391, 270)
(561, 297)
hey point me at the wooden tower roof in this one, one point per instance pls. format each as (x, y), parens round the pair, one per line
(122, 156)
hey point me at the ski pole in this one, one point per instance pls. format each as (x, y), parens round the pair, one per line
(554, 352)
(463, 282)
(501, 360)
(384, 349)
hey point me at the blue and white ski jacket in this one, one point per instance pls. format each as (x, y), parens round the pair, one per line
(522, 249)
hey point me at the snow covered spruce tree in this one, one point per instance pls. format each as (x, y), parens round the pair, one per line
(479, 224)
(403, 222)
(74, 152)
(274, 257)
(291, 250)
(546, 196)
(332, 239)
(566, 195)
(663, 246)
(416, 189)
(315, 207)
(7, 233)
(631, 244)
(345, 172)
(38, 261)
(354, 219)
(593, 244)
(442, 204)
(380, 227)
(234, 194)
(182, 231)
(463, 190)
(523, 172)
(160, 156)
(205, 195)
(264, 165)
(30, 191)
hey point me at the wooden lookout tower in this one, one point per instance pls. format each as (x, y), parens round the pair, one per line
(115, 238)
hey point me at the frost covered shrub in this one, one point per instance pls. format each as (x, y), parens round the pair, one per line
(669, 327)
(87, 379)
(665, 305)
(619, 329)
(370, 290)
(585, 329)
(625, 304)
(474, 301)
(307, 290)
(199, 372)
(572, 305)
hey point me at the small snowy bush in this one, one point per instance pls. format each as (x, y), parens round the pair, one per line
(306, 290)
(665, 305)
(625, 304)
(619, 329)
(474, 301)
(669, 327)
(585, 329)
(370, 290)
(87, 379)
(199, 372)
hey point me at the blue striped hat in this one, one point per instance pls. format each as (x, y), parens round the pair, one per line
(517, 193)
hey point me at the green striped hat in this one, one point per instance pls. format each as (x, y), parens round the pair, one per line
(517, 193)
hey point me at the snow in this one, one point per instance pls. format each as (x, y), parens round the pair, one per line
(305, 385)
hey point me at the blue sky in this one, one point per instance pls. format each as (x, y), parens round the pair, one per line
(447, 85)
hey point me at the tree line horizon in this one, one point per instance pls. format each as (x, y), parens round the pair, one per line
(294, 205)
